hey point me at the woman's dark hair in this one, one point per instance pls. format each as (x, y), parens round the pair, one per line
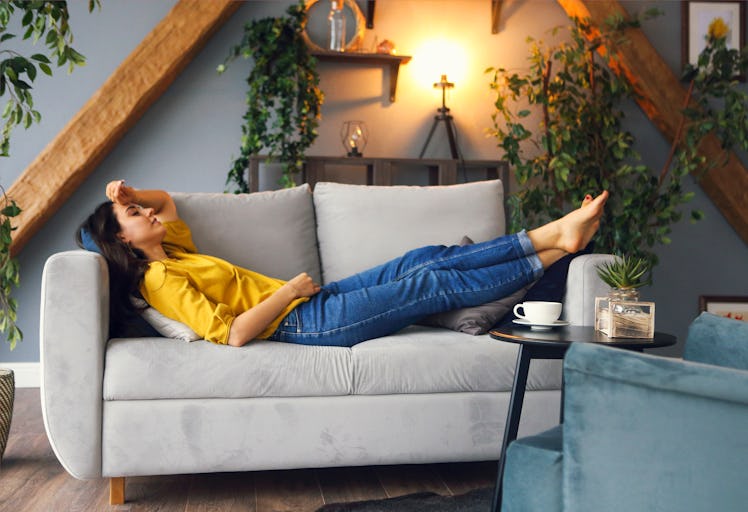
(127, 265)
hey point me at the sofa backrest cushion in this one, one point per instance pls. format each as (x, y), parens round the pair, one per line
(269, 232)
(360, 226)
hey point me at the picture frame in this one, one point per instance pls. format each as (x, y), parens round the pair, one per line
(696, 15)
(729, 306)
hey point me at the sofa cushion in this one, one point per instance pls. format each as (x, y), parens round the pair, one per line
(415, 360)
(359, 226)
(269, 232)
(422, 359)
(153, 368)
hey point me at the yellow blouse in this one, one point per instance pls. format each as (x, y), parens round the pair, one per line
(204, 292)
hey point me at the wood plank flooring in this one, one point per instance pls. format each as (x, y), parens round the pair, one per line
(32, 480)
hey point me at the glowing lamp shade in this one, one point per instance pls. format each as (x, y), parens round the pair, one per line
(437, 57)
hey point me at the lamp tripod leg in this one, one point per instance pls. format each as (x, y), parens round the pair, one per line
(452, 139)
(428, 139)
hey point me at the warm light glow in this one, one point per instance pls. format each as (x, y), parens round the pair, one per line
(437, 57)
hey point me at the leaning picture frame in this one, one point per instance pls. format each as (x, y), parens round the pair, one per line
(729, 306)
(696, 15)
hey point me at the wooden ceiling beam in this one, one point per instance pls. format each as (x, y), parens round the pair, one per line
(116, 107)
(661, 97)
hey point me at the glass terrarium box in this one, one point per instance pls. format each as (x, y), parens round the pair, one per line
(624, 318)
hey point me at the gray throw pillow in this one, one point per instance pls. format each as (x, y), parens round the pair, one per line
(478, 319)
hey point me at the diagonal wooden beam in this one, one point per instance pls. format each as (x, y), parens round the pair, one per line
(661, 97)
(115, 108)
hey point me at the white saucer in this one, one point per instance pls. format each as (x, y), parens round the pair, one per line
(540, 326)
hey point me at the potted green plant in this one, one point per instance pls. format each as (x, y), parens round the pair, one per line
(283, 99)
(621, 314)
(40, 19)
(560, 126)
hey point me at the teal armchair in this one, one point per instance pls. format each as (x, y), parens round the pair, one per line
(643, 433)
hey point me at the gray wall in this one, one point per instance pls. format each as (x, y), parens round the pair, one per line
(186, 140)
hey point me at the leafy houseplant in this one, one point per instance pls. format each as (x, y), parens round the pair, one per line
(621, 314)
(580, 145)
(39, 19)
(283, 100)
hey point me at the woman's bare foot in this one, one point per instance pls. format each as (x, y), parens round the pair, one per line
(572, 232)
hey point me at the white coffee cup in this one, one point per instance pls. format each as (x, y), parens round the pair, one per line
(538, 312)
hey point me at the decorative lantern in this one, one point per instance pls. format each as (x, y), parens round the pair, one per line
(354, 137)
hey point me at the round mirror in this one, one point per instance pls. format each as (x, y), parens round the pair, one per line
(317, 31)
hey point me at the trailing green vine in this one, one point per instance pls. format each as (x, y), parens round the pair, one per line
(283, 99)
(9, 272)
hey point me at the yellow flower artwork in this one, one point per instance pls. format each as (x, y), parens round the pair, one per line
(718, 29)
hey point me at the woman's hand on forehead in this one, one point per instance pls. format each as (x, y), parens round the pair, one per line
(118, 192)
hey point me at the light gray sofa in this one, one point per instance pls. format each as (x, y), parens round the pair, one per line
(146, 406)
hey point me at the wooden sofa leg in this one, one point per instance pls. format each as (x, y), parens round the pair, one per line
(117, 490)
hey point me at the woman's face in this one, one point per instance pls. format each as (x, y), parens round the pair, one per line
(139, 227)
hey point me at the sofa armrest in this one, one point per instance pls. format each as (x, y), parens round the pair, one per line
(74, 325)
(582, 286)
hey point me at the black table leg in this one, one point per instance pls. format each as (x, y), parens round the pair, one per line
(513, 415)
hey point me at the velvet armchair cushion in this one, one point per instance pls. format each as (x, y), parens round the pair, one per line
(533, 473)
(717, 340)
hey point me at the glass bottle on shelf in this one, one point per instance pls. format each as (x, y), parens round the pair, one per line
(337, 26)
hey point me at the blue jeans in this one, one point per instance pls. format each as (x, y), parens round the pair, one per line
(422, 282)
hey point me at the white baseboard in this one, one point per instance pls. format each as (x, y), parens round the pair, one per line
(26, 375)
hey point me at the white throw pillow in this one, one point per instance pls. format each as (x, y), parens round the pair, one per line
(165, 326)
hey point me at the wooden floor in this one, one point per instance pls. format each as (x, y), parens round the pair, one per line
(32, 480)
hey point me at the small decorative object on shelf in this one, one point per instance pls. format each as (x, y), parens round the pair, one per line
(337, 26)
(621, 314)
(354, 136)
(387, 47)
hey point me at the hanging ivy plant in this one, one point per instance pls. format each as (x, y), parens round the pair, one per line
(9, 272)
(283, 99)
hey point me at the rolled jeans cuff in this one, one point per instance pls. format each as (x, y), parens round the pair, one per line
(532, 256)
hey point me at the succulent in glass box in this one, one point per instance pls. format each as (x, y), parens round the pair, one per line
(621, 314)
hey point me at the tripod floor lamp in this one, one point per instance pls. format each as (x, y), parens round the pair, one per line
(446, 117)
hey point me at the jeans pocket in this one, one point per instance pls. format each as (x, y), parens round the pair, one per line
(290, 325)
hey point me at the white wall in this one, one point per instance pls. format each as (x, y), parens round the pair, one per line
(186, 141)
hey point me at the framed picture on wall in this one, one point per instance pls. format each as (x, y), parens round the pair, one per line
(696, 17)
(724, 305)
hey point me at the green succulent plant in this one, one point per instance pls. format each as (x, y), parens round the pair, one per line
(625, 272)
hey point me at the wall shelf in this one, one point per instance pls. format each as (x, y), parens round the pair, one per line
(378, 59)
